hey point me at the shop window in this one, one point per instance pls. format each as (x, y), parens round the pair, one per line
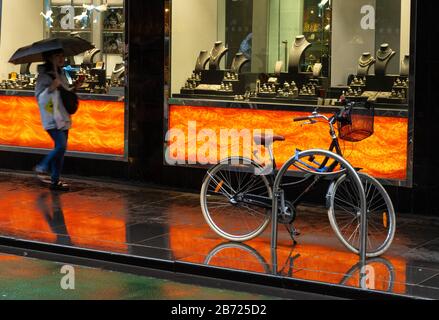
(99, 125)
(289, 50)
(229, 57)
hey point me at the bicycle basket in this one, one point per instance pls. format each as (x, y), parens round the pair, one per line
(356, 122)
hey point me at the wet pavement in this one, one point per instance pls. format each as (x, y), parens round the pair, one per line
(33, 279)
(169, 225)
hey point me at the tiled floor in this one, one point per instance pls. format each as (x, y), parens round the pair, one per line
(169, 225)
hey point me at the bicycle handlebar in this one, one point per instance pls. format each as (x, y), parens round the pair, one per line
(301, 119)
(312, 117)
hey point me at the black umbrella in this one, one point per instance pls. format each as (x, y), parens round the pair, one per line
(34, 53)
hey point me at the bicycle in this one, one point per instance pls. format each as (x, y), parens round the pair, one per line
(244, 189)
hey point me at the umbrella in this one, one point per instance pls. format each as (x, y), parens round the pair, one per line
(34, 52)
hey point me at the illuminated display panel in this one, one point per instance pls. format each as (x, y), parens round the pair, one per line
(384, 155)
(98, 126)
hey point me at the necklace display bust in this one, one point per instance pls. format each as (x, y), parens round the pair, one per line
(405, 66)
(297, 52)
(238, 62)
(216, 54)
(202, 60)
(384, 55)
(365, 62)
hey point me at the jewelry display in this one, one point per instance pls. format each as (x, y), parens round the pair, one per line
(383, 56)
(202, 60)
(358, 82)
(193, 81)
(308, 90)
(288, 90)
(267, 90)
(209, 87)
(405, 66)
(297, 52)
(216, 54)
(238, 62)
(317, 69)
(365, 62)
(351, 92)
(230, 76)
(398, 94)
(226, 87)
(90, 55)
(278, 68)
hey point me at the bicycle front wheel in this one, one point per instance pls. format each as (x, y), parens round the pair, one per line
(344, 215)
(236, 200)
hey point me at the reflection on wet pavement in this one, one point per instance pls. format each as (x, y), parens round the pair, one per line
(169, 225)
(24, 278)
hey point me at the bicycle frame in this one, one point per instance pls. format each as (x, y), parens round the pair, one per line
(266, 202)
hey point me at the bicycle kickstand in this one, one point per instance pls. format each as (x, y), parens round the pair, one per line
(293, 232)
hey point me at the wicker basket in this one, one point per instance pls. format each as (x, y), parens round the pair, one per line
(356, 122)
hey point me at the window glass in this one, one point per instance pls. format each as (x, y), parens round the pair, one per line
(101, 22)
(250, 49)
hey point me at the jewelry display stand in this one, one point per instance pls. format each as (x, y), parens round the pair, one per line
(216, 54)
(216, 82)
(278, 68)
(297, 53)
(317, 69)
(383, 57)
(238, 62)
(365, 62)
(405, 66)
(89, 56)
(202, 61)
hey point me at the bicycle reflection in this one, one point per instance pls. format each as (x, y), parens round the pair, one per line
(378, 273)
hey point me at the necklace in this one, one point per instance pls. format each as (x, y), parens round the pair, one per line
(365, 61)
(384, 55)
(220, 51)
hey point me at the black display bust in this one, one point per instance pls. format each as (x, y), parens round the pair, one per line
(365, 62)
(297, 52)
(216, 54)
(202, 60)
(238, 62)
(383, 57)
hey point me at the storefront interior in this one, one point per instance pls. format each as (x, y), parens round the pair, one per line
(259, 64)
(100, 129)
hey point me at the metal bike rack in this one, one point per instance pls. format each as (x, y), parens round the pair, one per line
(350, 171)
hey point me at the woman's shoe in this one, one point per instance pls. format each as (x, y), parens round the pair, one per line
(59, 186)
(40, 173)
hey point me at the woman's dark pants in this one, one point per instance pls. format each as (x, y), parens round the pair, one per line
(55, 159)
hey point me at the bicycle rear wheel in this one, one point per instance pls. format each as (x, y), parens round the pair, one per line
(224, 204)
(344, 215)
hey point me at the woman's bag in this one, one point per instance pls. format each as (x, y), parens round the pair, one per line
(69, 100)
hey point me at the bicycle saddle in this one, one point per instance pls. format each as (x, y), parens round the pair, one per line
(263, 138)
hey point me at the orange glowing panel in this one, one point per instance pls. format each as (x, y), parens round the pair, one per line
(384, 155)
(98, 126)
